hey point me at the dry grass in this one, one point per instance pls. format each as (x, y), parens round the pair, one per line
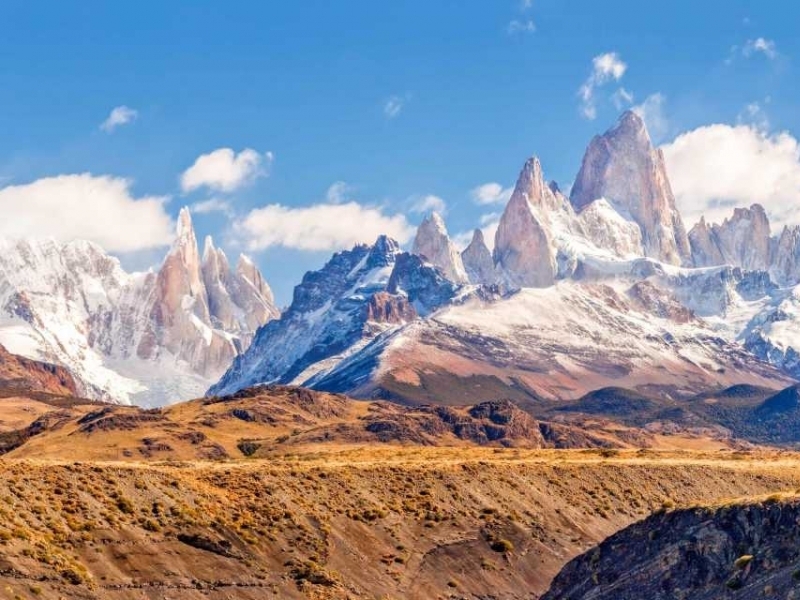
(338, 522)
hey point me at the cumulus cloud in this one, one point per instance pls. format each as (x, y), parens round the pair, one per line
(718, 167)
(120, 115)
(652, 113)
(491, 193)
(224, 170)
(605, 68)
(212, 205)
(429, 203)
(100, 209)
(320, 227)
(393, 106)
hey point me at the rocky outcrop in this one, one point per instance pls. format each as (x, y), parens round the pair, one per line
(23, 375)
(705, 246)
(746, 551)
(786, 266)
(355, 298)
(434, 245)
(425, 287)
(742, 240)
(522, 250)
(478, 261)
(623, 167)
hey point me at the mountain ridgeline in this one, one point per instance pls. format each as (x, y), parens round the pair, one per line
(602, 288)
(147, 338)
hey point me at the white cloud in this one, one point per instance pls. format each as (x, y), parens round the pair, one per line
(120, 115)
(320, 227)
(760, 45)
(338, 192)
(429, 203)
(100, 209)
(224, 170)
(521, 26)
(605, 68)
(717, 167)
(393, 106)
(652, 113)
(525, 5)
(212, 205)
(491, 193)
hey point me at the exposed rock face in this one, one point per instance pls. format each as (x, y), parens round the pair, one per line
(623, 167)
(522, 248)
(144, 337)
(186, 291)
(359, 295)
(478, 261)
(433, 243)
(787, 256)
(383, 307)
(26, 375)
(743, 240)
(424, 286)
(746, 551)
(705, 247)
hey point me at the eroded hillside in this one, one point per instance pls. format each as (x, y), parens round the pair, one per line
(373, 523)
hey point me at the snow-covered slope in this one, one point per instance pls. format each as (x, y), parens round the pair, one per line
(143, 337)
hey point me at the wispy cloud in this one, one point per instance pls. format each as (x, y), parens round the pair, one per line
(753, 47)
(760, 45)
(490, 193)
(119, 116)
(212, 205)
(393, 106)
(605, 68)
(429, 203)
(338, 192)
(521, 26)
(654, 116)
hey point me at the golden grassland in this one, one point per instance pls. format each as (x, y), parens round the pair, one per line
(343, 521)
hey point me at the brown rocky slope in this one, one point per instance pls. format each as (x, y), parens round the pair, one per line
(742, 551)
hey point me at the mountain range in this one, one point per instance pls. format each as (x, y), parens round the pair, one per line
(145, 338)
(602, 287)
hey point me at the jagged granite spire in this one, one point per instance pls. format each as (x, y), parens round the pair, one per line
(742, 240)
(522, 248)
(434, 244)
(478, 261)
(623, 167)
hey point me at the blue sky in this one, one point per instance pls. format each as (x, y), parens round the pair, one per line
(397, 100)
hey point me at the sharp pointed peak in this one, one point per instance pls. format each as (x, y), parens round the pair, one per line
(184, 222)
(477, 237)
(630, 124)
(208, 247)
(433, 220)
